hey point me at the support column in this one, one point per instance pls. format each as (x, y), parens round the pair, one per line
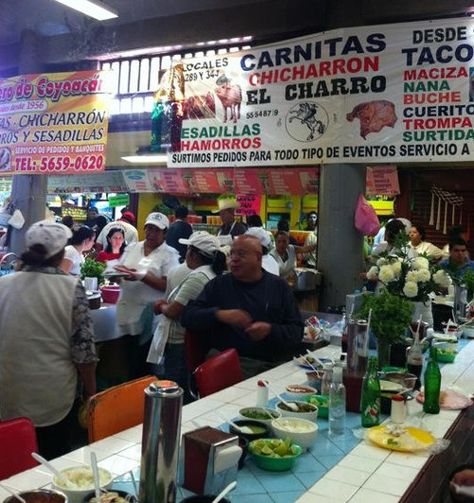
(340, 245)
(28, 191)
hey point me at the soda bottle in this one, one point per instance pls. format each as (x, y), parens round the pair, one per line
(415, 359)
(370, 396)
(337, 403)
(432, 379)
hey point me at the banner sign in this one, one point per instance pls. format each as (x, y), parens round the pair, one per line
(54, 123)
(400, 92)
(382, 181)
(249, 181)
(110, 181)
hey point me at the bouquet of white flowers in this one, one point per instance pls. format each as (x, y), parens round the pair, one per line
(407, 276)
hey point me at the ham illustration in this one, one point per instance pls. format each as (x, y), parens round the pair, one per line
(373, 116)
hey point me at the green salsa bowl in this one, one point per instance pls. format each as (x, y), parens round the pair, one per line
(265, 453)
(322, 402)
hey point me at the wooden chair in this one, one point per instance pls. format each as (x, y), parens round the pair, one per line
(117, 408)
(17, 442)
(218, 372)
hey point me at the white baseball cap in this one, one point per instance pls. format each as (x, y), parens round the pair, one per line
(53, 236)
(262, 235)
(203, 241)
(158, 220)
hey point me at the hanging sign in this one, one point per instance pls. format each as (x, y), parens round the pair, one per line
(219, 181)
(249, 204)
(108, 181)
(403, 92)
(119, 200)
(382, 181)
(54, 123)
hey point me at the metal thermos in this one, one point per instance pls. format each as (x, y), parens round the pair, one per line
(160, 442)
(362, 343)
(460, 303)
(352, 359)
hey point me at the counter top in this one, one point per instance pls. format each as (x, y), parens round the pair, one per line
(337, 469)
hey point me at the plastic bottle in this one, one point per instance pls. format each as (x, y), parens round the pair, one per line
(415, 359)
(327, 378)
(370, 396)
(432, 381)
(262, 394)
(337, 403)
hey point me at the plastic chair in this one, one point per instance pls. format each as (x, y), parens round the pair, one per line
(117, 408)
(218, 372)
(17, 442)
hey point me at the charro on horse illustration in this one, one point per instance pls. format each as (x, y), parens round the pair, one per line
(306, 114)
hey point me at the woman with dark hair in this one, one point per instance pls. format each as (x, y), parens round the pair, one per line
(206, 261)
(285, 254)
(115, 245)
(419, 246)
(82, 240)
(39, 370)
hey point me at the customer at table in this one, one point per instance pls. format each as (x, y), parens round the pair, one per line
(249, 309)
(179, 229)
(205, 261)
(456, 232)
(146, 265)
(419, 246)
(82, 241)
(285, 255)
(115, 247)
(46, 341)
(392, 229)
(458, 262)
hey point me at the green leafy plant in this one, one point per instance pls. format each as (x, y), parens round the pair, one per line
(92, 269)
(391, 315)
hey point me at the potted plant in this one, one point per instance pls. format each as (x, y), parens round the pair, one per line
(93, 269)
(391, 316)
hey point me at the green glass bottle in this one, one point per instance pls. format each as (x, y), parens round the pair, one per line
(370, 396)
(432, 381)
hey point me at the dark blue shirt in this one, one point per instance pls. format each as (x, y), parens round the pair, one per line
(269, 299)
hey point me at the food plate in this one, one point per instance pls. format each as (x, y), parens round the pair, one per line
(300, 361)
(441, 337)
(390, 386)
(449, 400)
(402, 439)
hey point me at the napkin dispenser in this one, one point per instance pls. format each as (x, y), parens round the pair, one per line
(210, 460)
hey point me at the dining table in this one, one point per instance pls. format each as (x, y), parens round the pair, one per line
(338, 468)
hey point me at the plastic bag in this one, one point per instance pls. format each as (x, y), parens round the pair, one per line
(366, 220)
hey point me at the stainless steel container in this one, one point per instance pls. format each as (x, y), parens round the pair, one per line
(160, 442)
(460, 303)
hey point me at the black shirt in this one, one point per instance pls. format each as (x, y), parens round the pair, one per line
(269, 299)
(177, 230)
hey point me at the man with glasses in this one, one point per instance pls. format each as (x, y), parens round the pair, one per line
(249, 309)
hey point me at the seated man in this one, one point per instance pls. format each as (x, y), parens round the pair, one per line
(249, 309)
(458, 262)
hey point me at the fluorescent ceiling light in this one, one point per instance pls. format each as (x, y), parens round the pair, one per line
(147, 159)
(92, 8)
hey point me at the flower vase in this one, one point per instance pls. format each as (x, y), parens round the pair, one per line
(423, 309)
(383, 353)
